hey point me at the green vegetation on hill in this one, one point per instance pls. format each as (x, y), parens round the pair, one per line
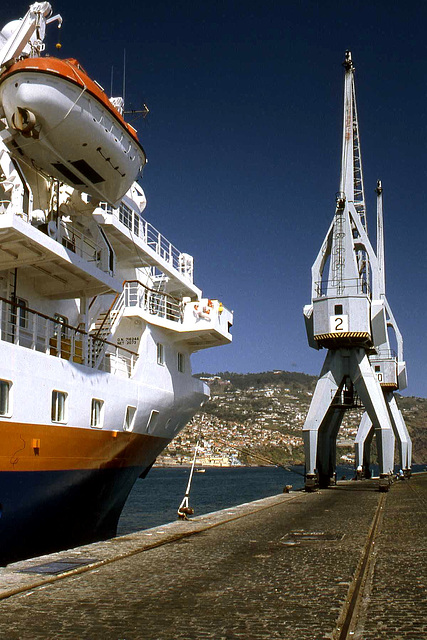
(414, 411)
(291, 379)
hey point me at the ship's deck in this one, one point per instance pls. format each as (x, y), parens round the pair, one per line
(347, 562)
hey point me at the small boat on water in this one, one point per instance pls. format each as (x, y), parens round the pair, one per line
(99, 314)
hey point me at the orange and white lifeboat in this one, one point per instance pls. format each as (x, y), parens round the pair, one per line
(63, 124)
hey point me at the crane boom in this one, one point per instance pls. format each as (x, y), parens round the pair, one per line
(25, 36)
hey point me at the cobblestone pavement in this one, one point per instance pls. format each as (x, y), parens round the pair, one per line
(259, 577)
(395, 602)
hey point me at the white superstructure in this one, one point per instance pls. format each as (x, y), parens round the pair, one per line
(99, 314)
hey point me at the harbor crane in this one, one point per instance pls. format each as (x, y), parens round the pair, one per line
(350, 317)
(389, 368)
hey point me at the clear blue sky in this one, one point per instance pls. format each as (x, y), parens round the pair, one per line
(243, 140)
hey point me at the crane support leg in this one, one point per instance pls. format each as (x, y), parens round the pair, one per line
(327, 447)
(322, 423)
(407, 471)
(362, 447)
(326, 389)
(325, 416)
(401, 432)
(364, 436)
(366, 464)
(371, 394)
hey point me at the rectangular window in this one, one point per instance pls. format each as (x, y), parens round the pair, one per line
(152, 420)
(97, 413)
(4, 397)
(125, 216)
(160, 353)
(129, 419)
(338, 309)
(181, 362)
(59, 399)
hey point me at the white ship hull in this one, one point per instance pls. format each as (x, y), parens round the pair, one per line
(99, 315)
(65, 484)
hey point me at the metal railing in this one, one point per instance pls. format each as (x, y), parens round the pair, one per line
(383, 354)
(28, 328)
(118, 360)
(79, 243)
(350, 286)
(181, 262)
(154, 302)
(113, 314)
(68, 236)
(74, 240)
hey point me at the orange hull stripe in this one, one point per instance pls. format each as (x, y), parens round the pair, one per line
(28, 447)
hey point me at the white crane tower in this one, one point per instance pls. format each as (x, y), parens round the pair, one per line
(349, 315)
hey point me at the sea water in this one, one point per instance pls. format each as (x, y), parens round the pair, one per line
(155, 500)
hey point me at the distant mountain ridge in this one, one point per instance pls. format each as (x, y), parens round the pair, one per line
(291, 379)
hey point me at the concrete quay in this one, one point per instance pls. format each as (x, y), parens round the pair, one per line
(346, 562)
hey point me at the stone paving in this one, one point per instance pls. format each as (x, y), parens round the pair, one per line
(276, 569)
(395, 602)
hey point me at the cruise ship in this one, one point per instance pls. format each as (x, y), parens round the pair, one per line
(99, 314)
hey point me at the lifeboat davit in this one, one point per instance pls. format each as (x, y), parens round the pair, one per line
(63, 124)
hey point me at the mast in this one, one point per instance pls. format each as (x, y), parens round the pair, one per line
(349, 264)
(351, 181)
(380, 240)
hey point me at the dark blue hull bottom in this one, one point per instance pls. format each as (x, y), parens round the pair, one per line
(43, 512)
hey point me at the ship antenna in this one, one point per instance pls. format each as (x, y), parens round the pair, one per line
(111, 83)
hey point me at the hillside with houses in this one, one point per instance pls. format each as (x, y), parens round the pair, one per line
(257, 418)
